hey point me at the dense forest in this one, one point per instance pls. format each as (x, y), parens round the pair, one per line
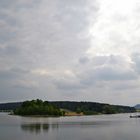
(90, 108)
(36, 107)
(10, 106)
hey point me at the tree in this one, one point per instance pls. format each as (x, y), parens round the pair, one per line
(38, 107)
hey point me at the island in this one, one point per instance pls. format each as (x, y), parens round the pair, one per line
(38, 107)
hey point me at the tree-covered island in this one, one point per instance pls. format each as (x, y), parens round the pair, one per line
(38, 107)
(68, 108)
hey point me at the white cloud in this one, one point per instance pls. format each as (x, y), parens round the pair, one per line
(116, 30)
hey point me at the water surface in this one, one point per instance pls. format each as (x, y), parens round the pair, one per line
(98, 127)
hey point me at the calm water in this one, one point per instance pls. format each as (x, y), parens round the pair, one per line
(101, 127)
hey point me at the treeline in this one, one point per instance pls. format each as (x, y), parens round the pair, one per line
(9, 106)
(38, 107)
(90, 108)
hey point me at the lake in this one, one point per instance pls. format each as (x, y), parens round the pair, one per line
(97, 127)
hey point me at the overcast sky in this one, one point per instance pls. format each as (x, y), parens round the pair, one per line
(81, 50)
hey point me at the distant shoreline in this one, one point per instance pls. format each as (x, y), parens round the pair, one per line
(63, 108)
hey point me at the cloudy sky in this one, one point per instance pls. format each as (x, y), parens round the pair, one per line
(81, 50)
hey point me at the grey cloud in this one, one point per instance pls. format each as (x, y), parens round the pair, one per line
(25, 84)
(136, 60)
(54, 37)
(68, 83)
(126, 86)
(42, 34)
(9, 75)
(56, 27)
(9, 51)
(74, 14)
(7, 3)
(106, 68)
(100, 69)
(106, 74)
(109, 73)
(103, 60)
(10, 92)
(7, 32)
(84, 60)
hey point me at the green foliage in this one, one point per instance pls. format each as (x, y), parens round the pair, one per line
(108, 109)
(91, 108)
(38, 107)
(78, 110)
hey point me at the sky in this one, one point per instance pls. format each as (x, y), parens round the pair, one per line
(76, 50)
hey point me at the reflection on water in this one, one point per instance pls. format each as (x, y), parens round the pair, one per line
(44, 127)
(36, 128)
